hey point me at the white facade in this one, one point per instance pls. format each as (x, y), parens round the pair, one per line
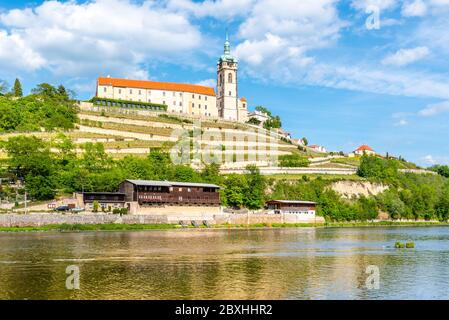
(177, 101)
(259, 115)
(318, 148)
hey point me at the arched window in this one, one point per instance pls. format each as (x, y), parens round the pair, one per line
(230, 77)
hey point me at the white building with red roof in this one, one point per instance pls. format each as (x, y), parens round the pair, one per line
(364, 149)
(317, 148)
(189, 99)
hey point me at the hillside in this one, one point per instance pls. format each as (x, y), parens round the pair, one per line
(135, 132)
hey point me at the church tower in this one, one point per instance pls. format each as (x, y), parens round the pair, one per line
(227, 101)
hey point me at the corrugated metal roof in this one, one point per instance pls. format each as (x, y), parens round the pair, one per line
(171, 183)
(294, 201)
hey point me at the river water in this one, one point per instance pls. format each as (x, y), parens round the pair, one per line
(297, 263)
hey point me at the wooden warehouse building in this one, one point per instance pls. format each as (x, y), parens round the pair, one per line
(158, 193)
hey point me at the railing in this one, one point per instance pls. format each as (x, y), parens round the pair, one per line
(203, 198)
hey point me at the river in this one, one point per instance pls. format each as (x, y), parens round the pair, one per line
(296, 263)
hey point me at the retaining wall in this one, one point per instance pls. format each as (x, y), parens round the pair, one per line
(38, 219)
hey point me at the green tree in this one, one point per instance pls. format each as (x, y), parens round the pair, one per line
(232, 194)
(274, 122)
(441, 170)
(305, 141)
(3, 87)
(254, 193)
(29, 155)
(211, 173)
(17, 89)
(442, 207)
(375, 167)
(253, 121)
(264, 110)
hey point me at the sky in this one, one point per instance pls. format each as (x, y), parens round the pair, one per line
(341, 73)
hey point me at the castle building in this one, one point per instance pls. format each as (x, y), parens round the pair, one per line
(188, 99)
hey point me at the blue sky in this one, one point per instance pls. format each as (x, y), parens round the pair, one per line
(341, 73)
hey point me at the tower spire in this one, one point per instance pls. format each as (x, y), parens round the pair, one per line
(227, 45)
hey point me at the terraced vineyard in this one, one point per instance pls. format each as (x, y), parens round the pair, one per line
(125, 132)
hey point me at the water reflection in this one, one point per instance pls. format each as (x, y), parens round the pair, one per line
(303, 263)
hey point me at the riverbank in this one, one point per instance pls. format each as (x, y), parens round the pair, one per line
(143, 227)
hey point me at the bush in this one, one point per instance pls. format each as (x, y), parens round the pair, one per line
(95, 206)
(399, 245)
(116, 211)
(410, 245)
(293, 160)
(375, 167)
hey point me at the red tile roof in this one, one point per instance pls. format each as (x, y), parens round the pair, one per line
(364, 148)
(243, 99)
(155, 85)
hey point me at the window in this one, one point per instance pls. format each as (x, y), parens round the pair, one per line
(230, 77)
(149, 92)
(193, 96)
(163, 102)
(119, 91)
(130, 91)
(193, 105)
(149, 100)
(163, 93)
(180, 103)
(199, 106)
(140, 92)
(199, 97)
(180, 94)
(205, 98)
(104, 89)
(174, 94)
(230, 93)
(205, 107)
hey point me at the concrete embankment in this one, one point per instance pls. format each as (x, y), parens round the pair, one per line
(42, 219)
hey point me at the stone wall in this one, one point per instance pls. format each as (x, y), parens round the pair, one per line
(38, 219)
(271, 218)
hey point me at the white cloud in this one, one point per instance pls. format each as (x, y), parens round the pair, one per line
(429, 159)
(433, 160)
(116, 37)
(280, 44)
(406, 56)
(207, 83)
(219, 9)
(415, 8)
(381, 4)
(281, 50)
(434, 109)
(401, 123)
(15, 54)
(308, 23)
